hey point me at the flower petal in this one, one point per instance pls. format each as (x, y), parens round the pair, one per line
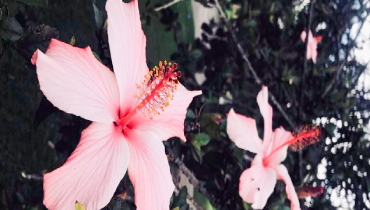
(283, 174)
(303, 36)
(280, 137)
(76, 82)
(313, 48)
(256, 185)
(170, 122)
(309, 52)
(266, 111)
(127, 44)
(243, 131)
(149, 171)
(93, 171)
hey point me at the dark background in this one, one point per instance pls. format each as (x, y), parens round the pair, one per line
(36, 137)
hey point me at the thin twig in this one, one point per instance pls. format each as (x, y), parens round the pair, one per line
(32, 176)
(157, 9)
(249, 65)
(303, 80)
(312, 5)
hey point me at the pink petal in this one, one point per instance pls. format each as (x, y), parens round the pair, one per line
(283, 174)
(256, 185)
(149, 171)
(93, 171)
(303, 36)
(169, 123)
(243, 131)
(76, 82)
(280, 136)
(309, 52)
(266, 111)
(127, 44)
(310, 36)
(314, 51)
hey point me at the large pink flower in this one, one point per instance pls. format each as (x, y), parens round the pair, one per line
(257, 183)
(120, 105)
(312, 45)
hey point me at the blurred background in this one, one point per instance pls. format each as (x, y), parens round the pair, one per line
(226, 48)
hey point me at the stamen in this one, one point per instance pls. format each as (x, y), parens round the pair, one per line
(303, 137)
(157, 89)
(154, 92)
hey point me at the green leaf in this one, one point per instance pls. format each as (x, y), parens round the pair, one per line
(330, 128)
(197, 154)
(97, 56)
(79, 206)
(12, 8)
(10, 29)
(246, 206)
(190, 114)
(196, 54)
(208, 123)
(200, 139)
(203, 201)
(180, 199)
(250, 24)
(255, 12)
(42, 3)
(73, 40)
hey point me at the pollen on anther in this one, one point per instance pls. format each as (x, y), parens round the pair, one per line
(157, 88)
(304, 136)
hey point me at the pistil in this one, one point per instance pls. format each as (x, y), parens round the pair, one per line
(155, 92)
(305, 136)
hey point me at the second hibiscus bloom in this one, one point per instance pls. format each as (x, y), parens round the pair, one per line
(311, 45)
(258, 182)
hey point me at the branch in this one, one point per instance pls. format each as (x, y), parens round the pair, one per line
(189, 200)
(32, 176)
(250, 67)
(303, 80)
(192, 179)
(157, 9)
(305, 56)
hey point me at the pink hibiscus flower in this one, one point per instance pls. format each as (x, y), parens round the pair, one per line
(312, 45)
(257, 183)
(121, 105)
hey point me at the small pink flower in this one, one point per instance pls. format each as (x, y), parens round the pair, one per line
(312, 45)
(257, 183)
(122, 135)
